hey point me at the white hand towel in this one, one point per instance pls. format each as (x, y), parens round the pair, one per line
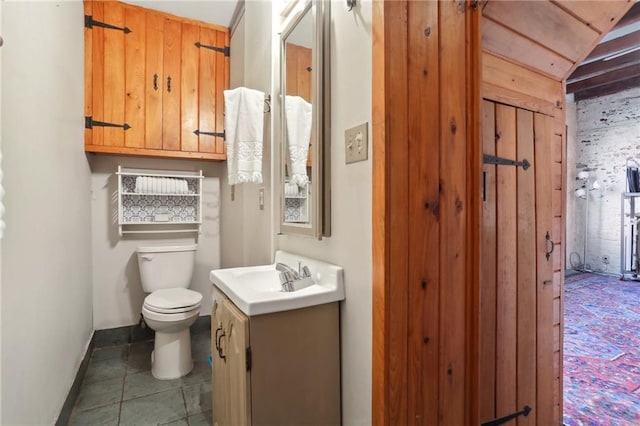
(243, 126)
(299, 116)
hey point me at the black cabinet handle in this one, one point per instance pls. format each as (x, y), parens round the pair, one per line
(155, 82)
(169, 84)
(216, 338)
(219, 346)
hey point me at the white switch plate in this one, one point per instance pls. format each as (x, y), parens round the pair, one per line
(356, 144)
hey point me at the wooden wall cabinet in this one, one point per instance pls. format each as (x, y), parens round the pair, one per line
(154, 83)
(281, 368)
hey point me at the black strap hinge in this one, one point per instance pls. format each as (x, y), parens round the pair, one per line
(524, 412)
(226, 50)
(499, 161)
(248, 357)
(216, 134)
(90, 23)
(89, 123)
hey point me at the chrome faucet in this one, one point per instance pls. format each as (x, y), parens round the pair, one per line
(292, 280)
(286, 268)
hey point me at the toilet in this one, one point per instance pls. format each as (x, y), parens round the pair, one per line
(170, 308)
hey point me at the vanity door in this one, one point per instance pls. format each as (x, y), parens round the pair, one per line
(230, 377)
(237, 339)
(219, 375)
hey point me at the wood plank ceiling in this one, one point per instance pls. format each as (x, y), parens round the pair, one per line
(556, 38)
(614, 64)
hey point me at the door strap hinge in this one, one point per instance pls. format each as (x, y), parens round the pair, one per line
(499, 161)
(216, 134)
(226, 50)
(248, 357)
(524, 412)
(90, 23)
(89, 123)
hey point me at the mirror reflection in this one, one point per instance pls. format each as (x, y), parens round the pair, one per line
(298, 137)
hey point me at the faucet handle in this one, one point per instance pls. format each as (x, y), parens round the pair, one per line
(286, 280)
(306, 272)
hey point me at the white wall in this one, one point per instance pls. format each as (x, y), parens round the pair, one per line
(46, 274)
(259, 233)
(1, 203)
(573, 246)
(351, 186)
(608, 132)
(233, 207)
(117, 292)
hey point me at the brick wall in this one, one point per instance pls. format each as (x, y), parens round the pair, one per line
(607, 133)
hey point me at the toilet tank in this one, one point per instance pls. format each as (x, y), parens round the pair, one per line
(166, 266)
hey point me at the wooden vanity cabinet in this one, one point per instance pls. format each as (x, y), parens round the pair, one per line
(154, 83)
(281, 368)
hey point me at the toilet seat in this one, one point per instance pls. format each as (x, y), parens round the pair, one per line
(173, 301)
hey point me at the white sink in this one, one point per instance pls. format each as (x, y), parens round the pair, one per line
(257, 290)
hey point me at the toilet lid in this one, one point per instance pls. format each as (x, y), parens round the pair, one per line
(173, 300)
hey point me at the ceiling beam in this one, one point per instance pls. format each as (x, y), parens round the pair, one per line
(603, 79)
(607, 89)
(610, 47)
(596, 68)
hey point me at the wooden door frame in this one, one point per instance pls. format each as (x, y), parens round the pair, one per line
(392, 400)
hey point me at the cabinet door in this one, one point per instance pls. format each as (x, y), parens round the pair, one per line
(134, 78)
(219, 375)
(171, 85)
(237, 330)
(154, 77)
(189, 87)
(105, 46)
(214, 79)
(230, 378)
(151, 81)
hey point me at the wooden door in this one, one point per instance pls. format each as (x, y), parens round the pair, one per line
(516, 306)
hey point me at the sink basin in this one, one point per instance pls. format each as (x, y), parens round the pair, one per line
(257, 290)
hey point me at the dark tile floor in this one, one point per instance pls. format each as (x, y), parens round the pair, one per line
(118, 388)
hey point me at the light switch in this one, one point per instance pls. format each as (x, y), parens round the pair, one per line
(356, 145)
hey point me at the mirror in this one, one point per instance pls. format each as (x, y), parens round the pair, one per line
(304, 120)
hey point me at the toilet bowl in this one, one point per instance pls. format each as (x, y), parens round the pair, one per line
(170, 308)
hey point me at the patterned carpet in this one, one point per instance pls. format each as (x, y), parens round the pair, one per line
(601, 351)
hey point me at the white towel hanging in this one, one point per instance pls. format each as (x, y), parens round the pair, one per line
(299, 118)
(243, 124)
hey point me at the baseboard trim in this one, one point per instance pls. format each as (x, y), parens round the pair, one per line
(67, 407)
